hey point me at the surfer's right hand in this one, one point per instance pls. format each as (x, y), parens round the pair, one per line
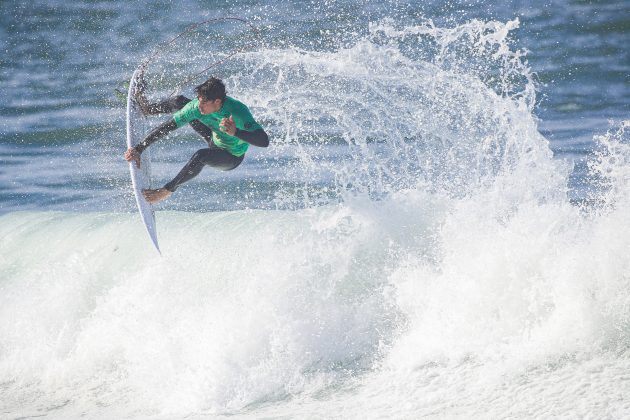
(132, 154)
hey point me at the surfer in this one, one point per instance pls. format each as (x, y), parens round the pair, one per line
(225, 124)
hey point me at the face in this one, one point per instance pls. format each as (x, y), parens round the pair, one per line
(208, 107)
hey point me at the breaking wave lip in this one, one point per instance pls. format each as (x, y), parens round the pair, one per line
(453, 252)
(447, 107)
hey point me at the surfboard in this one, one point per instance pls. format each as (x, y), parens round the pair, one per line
(140, 177)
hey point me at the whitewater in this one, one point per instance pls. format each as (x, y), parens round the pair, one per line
(428, 258)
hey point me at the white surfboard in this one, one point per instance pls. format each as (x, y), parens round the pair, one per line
(140, 177)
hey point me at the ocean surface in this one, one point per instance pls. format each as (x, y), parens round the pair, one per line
(439, 228)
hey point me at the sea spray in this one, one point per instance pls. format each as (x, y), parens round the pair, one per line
(399, 107)
(400, 117)
(429, 262)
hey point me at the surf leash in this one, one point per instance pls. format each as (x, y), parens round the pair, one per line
(160, 48)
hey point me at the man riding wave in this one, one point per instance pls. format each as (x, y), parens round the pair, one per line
(225, 123)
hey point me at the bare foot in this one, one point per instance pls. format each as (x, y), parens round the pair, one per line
(154, 196)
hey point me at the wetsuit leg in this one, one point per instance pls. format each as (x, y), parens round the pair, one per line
(169, 105)
(212, 156)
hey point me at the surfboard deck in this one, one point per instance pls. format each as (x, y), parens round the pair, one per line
(140, 177)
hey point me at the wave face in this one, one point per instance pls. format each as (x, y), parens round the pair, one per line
(426, 261)
(389, 307)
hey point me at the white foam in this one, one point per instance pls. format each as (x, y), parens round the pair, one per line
(450, 277)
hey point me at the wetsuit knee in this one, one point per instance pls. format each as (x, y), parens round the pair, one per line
(168, 105)
(213, 156)
(201, 156)
(181, 101)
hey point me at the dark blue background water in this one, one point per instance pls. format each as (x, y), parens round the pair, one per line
(62, 129)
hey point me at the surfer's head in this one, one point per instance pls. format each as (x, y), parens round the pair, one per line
(211, 95)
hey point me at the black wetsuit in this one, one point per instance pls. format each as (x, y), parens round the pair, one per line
(213, 156)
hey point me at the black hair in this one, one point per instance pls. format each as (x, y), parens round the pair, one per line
(211, 89)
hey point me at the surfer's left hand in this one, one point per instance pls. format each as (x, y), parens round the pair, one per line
(132, 154)
(228, 126)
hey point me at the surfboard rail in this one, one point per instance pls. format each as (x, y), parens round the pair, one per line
(140, 177)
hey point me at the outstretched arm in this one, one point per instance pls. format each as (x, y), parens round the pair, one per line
(257, 137)
(133, 153)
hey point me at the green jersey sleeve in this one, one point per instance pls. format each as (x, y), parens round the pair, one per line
(243, 117)
(188, 113)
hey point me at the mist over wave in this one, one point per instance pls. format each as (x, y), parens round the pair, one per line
(445, 108)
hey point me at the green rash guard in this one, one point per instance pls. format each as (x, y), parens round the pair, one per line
(239, 112)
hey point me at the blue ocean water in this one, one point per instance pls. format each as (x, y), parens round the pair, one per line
(438, 228)
(62, 126)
